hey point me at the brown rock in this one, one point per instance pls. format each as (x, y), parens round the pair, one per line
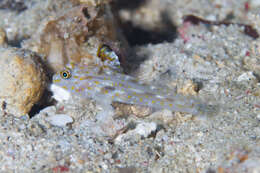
(22, 80)
(75, 34)
(2, 37)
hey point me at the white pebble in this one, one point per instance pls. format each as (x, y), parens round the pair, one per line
(48, 110)
(258, 117)
(60, 120)
(145, 129)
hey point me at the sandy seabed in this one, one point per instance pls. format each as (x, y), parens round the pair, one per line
(219, 63)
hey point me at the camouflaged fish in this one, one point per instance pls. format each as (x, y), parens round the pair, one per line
(107, 84)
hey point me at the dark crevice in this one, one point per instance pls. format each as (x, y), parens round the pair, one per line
(86, 13)
(210, 170)
(13, 5)
(133, 61)
(16, 43)
(137, 35)
(46, 101)
(166, 31)
(128, 4)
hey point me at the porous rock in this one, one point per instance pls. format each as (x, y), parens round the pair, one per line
(2, 37)
(22, 80)
(75, 34)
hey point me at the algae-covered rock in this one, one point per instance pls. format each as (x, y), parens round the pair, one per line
(22, 80)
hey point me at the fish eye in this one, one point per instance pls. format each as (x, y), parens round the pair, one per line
(65, 74)
(104, 51)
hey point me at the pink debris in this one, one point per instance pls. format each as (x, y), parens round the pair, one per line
(246, 6)
(60, 168)
(183, 30)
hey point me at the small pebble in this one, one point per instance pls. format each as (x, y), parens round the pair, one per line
(48, 110)
(258, 117)
(145, 129)
(60, 120)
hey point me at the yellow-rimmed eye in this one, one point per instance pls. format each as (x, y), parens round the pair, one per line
(108, 56)
(104, 52)
(65, 74)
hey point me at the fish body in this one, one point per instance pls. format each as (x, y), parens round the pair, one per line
(101, 83)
